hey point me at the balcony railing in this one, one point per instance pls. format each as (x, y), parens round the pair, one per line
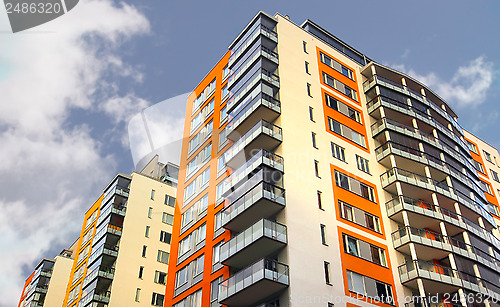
(102, 231)
(254, 283)
(437, 273)
(262, 128)
(117, 190)
(263, 157)
(250, 58)
(249, 38)
(261, 201)
(397, 174)
(262, 100)
(105, 272)
(103, 249)
(390, 147)
(259, 240)
(111, 208)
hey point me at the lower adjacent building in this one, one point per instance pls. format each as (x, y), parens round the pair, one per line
(47, 284)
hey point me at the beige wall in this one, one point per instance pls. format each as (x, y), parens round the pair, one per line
(58, 281)
(133, 238)
(305, 253)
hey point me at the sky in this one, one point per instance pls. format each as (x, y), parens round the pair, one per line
(69, 88)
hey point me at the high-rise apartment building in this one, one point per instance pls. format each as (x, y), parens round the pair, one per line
(311, 175)
(122, 253)
(47, 284)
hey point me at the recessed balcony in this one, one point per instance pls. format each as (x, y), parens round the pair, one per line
(262, 135)
(262, 200)
(259, 107)
(262, 239)
(257, 30)
(254, 284)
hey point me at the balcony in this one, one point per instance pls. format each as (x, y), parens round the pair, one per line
(394, 175)
(263, 135)
(258, 51)
(262, 239)
(104, 272)
(97, 295)
(107, 229)
(384, 151)
(246, 41)
(117, 190)
(261, 160)
(254, 283)
(423, 214)
(104, 249)
(443, 279)
(260, 107)
(263, 200)
(111, 208)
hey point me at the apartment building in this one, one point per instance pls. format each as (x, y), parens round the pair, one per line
(122, 253)
(47, 284)
(311, 175)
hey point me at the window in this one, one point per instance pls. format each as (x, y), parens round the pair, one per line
(157, 299)
(306, 64)
(165, 237)
(478, 166)
(362, 164)
(181, 277)
(355, 186)
(200, 233)
(153, 194)
(141, 271)
(346, 132)
(364, 250)
(309, 89)
(214, 289)
(313, 136)
(225, 72)
(471, 146)
(323, 234)
(144, 249)
(311, 114)
(222, 138)
(370, 287)
(150, 212)
(316, 168)
(199, 160)
(224, 94)
(342, 108)
(197, 185)
(198, 265)
(486, 187)
(160, 278)
(169, 201)
(338, 152)
(339, 86)
(326, 266)
(137, 294)
(91, 219)
(218, 191)
(218, 224)
(336, 65)
(487, 156)
(167, 218)
(216, 253)
(221, 164)
(494, 175)
(223, 114)
(162, 257)
(146, 233)
(320, 205)
(358, 216)
(304, 46)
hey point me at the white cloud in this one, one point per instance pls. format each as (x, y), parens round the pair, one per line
(467, 88)
(52, 170)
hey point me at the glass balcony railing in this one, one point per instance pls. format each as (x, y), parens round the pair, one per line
(441, 274)
(104, 249)
(390, 147)
(105, 272)
(261, 201)
(246, 83)
(259, 240)
(105, 229)
(262, 128)
(397, 174)
(263, 157)
(250, 58)
(266, 277)
(108, 209)
(247, 40)
(261, 100)
(117, 190)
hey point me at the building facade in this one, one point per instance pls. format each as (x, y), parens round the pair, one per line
(311, 175)
(123, 250)
(47, 284)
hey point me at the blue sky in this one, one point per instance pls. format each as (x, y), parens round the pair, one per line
(69, 88)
